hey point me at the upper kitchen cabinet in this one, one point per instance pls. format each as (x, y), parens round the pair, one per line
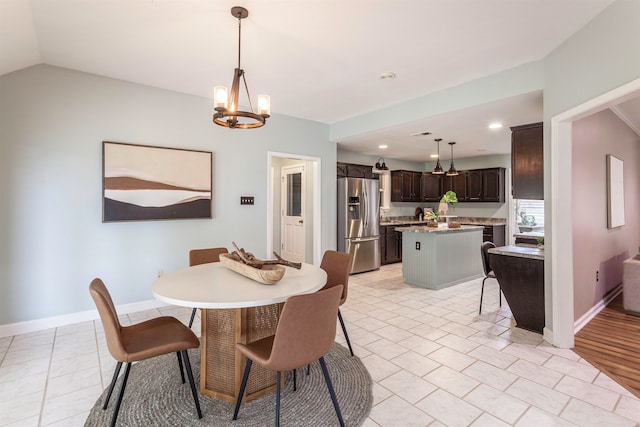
(406, 186)
(350, 170)
(482, 185)
(527, 162)
(457, 184)
(431, 187)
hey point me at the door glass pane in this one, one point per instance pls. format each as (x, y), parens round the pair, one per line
(294, 189)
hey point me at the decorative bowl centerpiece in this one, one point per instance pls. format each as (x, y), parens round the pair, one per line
(268, 272)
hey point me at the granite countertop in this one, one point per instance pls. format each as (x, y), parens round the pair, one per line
(425, 229)
(461, 219)
(522, 251)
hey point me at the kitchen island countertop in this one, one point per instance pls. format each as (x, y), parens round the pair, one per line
(425, 229)
(521, 251)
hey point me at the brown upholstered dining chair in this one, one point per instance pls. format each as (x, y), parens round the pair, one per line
(203, 256)
(144, 340)
(337, 265)
(305, 333)
(488, 272)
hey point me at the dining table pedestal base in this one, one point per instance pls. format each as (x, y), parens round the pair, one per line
(221, 365)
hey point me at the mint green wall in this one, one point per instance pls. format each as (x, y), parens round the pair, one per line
(53, 122)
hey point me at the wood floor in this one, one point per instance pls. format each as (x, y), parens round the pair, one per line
(611, 342)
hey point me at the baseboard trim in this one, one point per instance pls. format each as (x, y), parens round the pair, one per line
(593, 312)
(71, 318)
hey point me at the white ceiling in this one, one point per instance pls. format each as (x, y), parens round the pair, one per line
(318, 59)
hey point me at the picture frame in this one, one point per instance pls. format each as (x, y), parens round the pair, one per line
(145, 183)
(615, 192)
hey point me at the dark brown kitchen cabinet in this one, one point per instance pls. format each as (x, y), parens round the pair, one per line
(406, 186)
(493, 185)
(527, 162)
(485, 185)
(351, 170)
(457, 184)
(431, 187)
(390, 244)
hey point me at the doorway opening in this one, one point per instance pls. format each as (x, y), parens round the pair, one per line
(560, 234)
(281, 165)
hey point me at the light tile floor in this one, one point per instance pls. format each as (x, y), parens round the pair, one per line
(433, 359)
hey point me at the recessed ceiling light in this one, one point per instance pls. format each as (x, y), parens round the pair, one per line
(382, 146)
(495, 125)
(387, 75)
(434, 156)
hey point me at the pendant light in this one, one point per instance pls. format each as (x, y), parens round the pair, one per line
(452, 170)
(438, 169)
(227, 113)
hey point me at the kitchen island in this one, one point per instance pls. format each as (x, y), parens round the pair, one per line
(437, 258)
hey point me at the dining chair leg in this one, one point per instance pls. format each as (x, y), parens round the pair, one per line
(294, 380)
(500, 294)
(308, 368)
(278, 399)
(180, 365)
(481, 293)
(344, 330)
(125, 377)
(194, 392)
(327, 379)
(243, 385)
(193, 315)
(112, 385)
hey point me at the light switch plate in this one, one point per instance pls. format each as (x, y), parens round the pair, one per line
(246, 200)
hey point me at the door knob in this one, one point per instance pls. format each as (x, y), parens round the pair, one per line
(300, 222)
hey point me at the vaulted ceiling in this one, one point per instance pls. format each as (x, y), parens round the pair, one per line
(318, 59)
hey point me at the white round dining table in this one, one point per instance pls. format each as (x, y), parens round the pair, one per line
(214, 286)
(234, 309)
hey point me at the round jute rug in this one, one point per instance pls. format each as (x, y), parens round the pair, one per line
(155, 396)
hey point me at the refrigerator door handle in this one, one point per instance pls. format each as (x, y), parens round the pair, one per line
(365, 200)
(366, 239)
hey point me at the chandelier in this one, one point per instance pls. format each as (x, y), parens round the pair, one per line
(226, 103)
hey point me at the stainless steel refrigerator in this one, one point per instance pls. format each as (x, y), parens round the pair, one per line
(358, 224)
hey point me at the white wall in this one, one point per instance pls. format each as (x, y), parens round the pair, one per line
(53, 122)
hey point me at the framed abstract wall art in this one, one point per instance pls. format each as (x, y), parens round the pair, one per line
(142, 182)
(615, 192)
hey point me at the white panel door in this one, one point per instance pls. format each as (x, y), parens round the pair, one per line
(292, 213)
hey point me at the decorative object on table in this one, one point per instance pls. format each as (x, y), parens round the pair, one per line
(267, 272)
(226, 104)
(540, 241)
(449, 199)
(152, 385)
(615, 192)
(432, 219)
(528, 220)
(142, 182)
